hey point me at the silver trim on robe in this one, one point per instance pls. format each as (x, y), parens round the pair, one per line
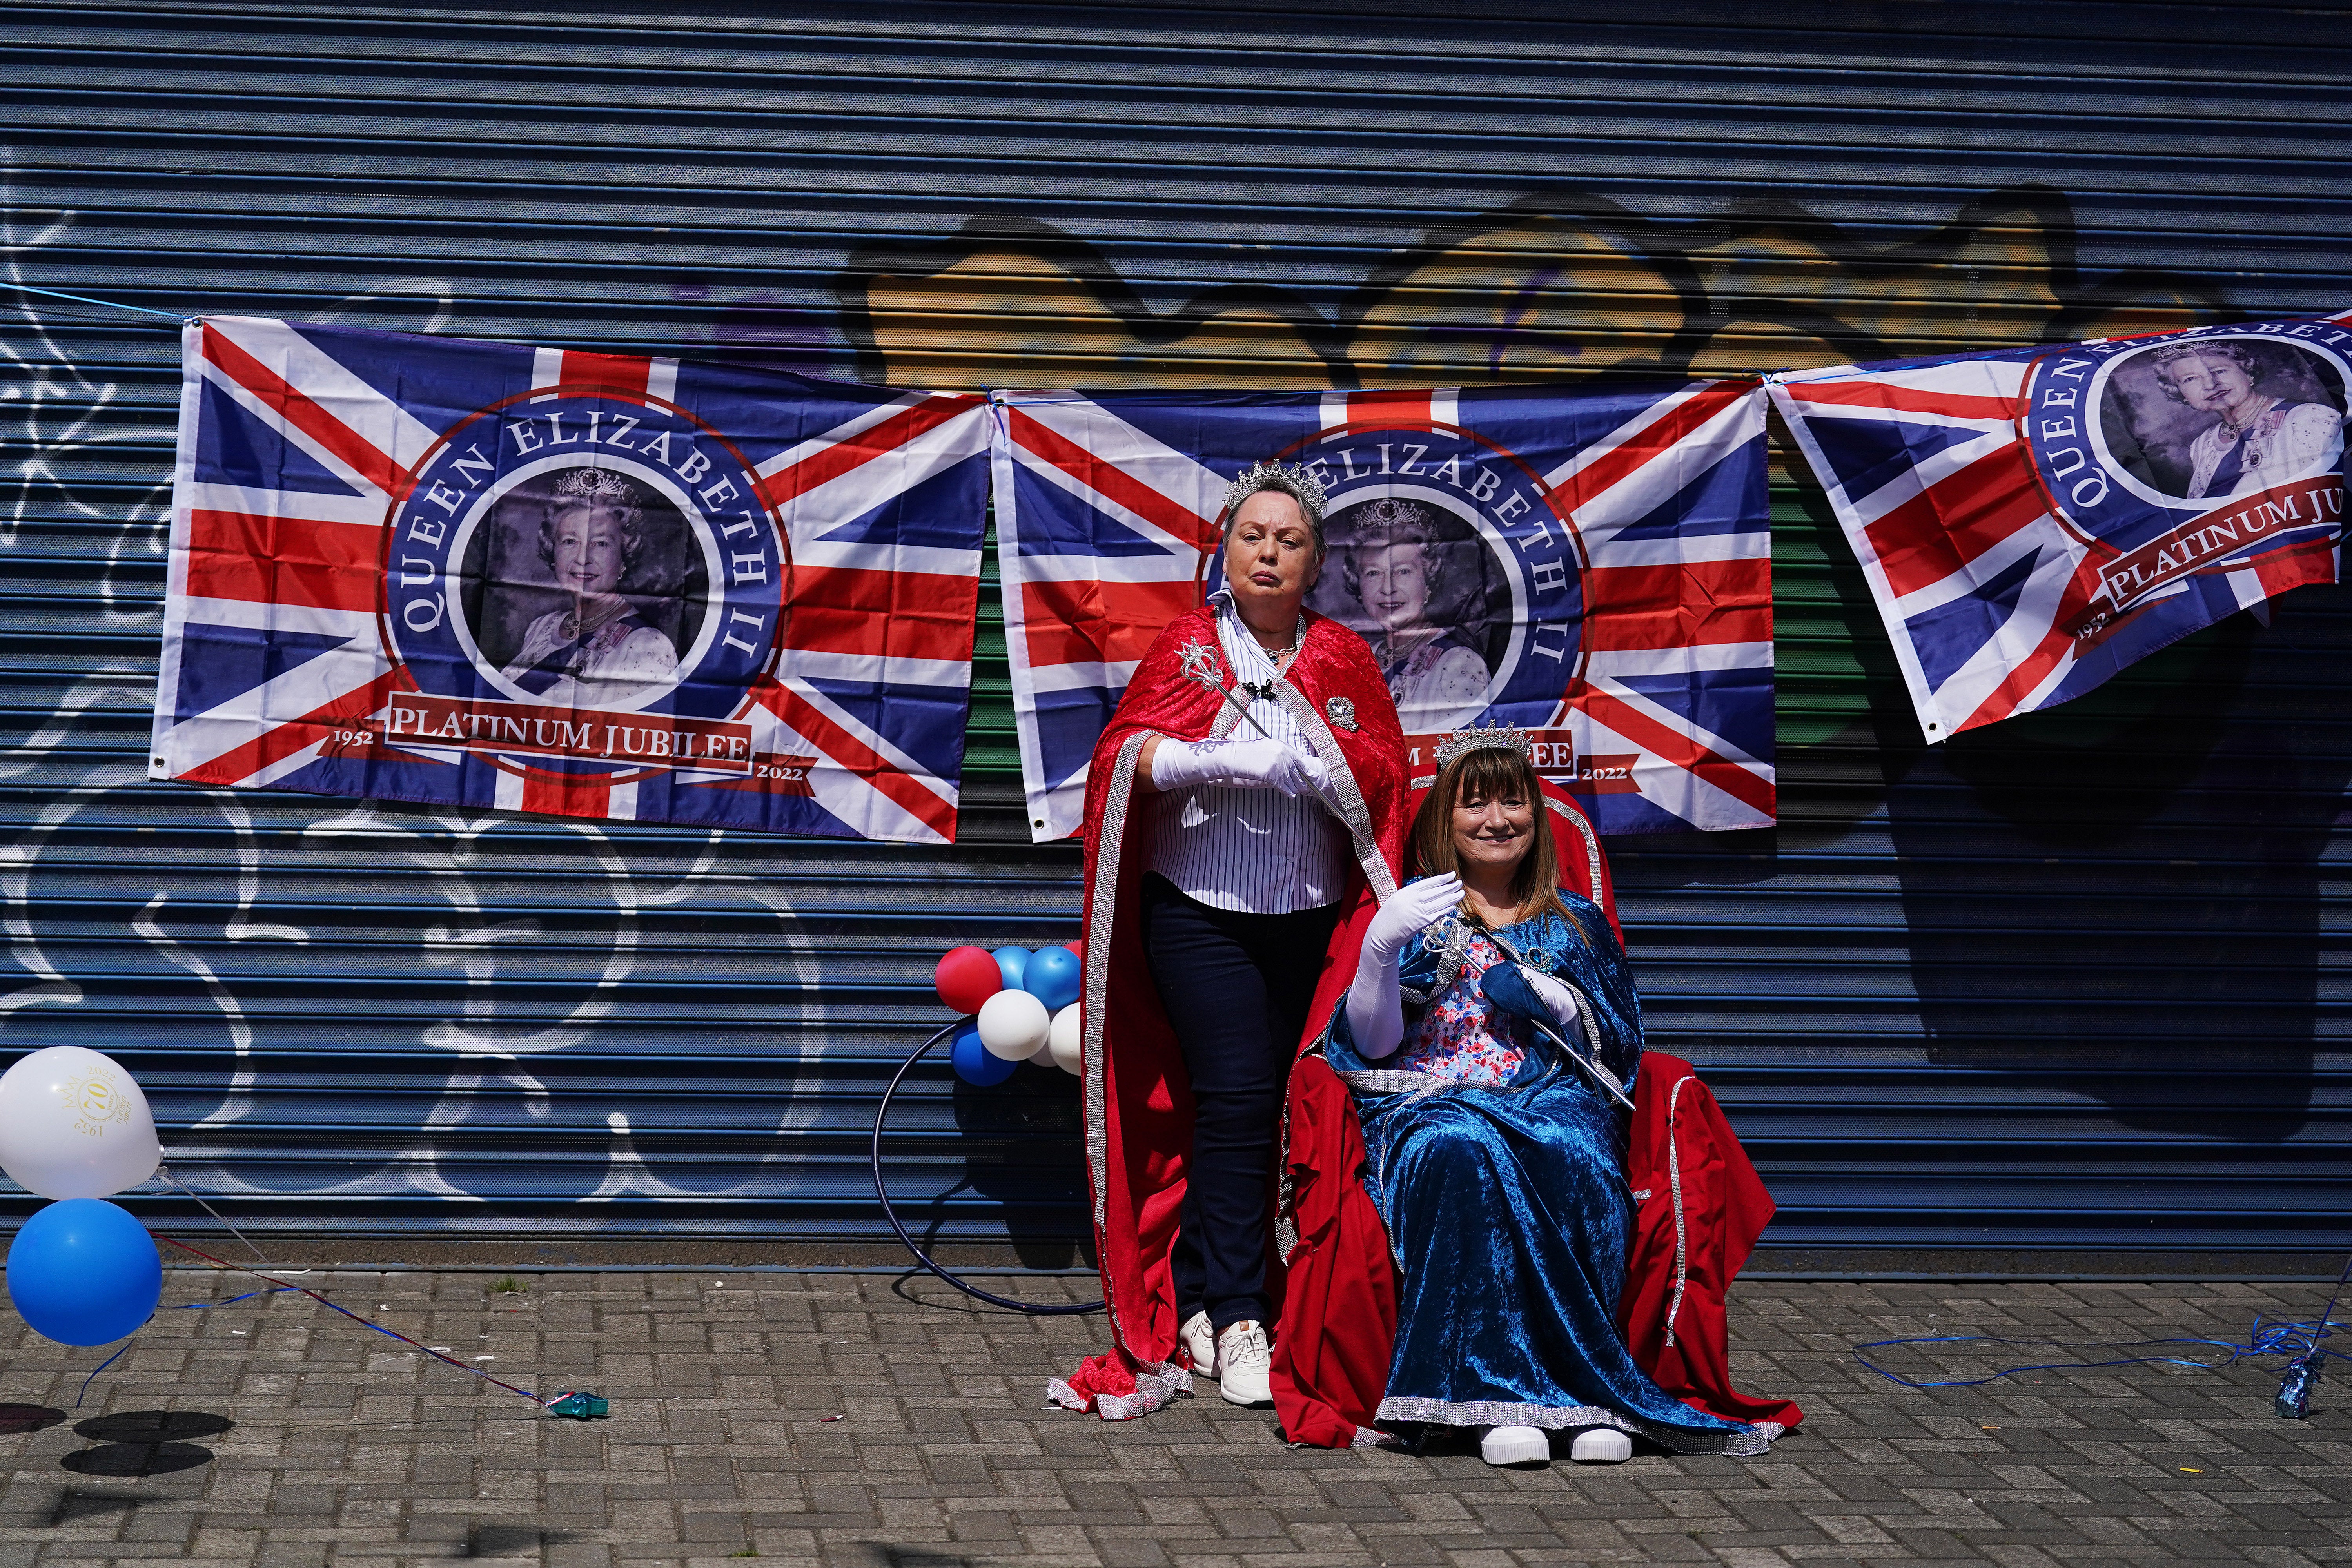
(1755, 1440)
(1102, 911)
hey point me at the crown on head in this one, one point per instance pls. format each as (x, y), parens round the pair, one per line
(1387, 512)
(594, 485)
(1303, 487)
(1473, 738)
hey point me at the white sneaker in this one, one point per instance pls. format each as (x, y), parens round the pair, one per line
(1245, 1363)
(1600, 1445)
(1199, 1342)
(1515, 1445)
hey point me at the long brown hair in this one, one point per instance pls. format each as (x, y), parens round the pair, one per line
(1483, 773)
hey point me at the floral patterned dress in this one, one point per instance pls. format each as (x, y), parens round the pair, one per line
(1464, 1037)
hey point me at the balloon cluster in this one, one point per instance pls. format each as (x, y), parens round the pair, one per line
(74, 1127)
(1024, 1007)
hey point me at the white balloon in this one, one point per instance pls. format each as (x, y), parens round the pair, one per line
(1012, 1025)
(1067, 1039)
(73, 1124)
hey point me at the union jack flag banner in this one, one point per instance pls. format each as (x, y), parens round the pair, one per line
(2035, 520)
(1592, 565)
(482, 575)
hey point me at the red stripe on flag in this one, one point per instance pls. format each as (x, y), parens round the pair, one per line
(1907, 399)
(846, 750)
(1960, 517)
(1114, 482)
(617, 372)
(1095, 622)
(1640, 607)
(1683, 752)
(277, 744)
(1595, 477)
(1378, 408)
(829, 463)
(2318, 559)
(566, 795)
(899, 614)
(2279, 570)
(297, 409)
(284, 560)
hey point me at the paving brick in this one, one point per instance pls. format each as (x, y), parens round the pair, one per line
(338, 1452)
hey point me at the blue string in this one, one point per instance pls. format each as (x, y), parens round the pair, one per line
(101, 1366)
(86, 300)
(2291, 1339)
(249, 1295)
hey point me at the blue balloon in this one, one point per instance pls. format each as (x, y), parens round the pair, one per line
(974, 1063)
(1012, 962)
(1053, 978)
(83, 1272)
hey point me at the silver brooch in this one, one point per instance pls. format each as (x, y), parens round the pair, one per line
(1200, 661)
(1342, 712)
(1544, 959)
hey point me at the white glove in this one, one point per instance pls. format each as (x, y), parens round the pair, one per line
(1238, 765)
(1375, 1003)
(1403, 917)
(1556, 998)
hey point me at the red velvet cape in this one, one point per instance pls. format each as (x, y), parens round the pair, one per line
(1139, 1104)
(1705, 1208)
(1339, 1316)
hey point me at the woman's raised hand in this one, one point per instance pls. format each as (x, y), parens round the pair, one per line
(1416, 906)
(1375, 1010)
(1238, 765)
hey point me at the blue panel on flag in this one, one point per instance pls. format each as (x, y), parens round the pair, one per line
(928, 515)
(246, 453)
(1729, 497)
(234, 660)
(924, 722)
(1950, 634)
(1866, 455)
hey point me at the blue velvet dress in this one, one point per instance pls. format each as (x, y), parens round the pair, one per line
(1499, 1166)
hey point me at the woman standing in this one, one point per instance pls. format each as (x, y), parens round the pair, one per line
(1249, 790)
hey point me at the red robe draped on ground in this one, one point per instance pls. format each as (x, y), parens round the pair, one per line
(1339, 1316)
(1139, 1105)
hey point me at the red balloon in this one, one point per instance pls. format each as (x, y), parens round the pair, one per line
(1077, 947)
(967, 977)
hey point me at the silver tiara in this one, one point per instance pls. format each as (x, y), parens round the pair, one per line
(1387, 512)
(1248, 481)
(594, 485)
(1475, 738)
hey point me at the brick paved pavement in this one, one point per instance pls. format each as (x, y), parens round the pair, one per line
(296, 1437)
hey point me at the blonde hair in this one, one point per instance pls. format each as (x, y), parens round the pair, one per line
(1485, 772)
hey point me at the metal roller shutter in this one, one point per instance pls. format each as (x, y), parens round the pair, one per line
(2070, 981)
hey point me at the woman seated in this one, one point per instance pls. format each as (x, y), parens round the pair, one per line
(1490, 1038)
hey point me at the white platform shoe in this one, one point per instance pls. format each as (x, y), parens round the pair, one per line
(1244, 1365)
(1600, 1445)
(1200, 1342)
(1532, 1446)
(1516, 1445)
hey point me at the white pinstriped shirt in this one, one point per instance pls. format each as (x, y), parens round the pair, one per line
(1254, 851)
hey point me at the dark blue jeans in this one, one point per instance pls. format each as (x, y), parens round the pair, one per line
(1236, 989)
